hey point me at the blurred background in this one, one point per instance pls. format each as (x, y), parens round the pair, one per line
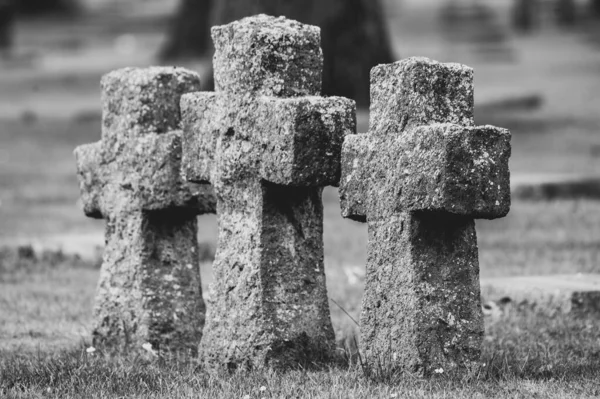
(537, 72)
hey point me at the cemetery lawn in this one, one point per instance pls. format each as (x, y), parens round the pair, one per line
(45, 304)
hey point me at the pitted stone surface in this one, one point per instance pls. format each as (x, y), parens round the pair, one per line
(268, 145)
(268, 56)
(419, 178)
(141, 101)
(149, 289)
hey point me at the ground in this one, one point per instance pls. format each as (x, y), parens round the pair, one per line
(50, 104)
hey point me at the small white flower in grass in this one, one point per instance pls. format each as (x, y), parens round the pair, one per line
(394, 395)
(438, 371)
(263, 388)
(148, 347)
(246, 397)
(90, 350)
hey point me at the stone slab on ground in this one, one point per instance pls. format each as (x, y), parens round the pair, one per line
(87, 245)
(577, 294)
(555, 186)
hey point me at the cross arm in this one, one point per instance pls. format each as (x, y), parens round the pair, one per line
(152, 172)
(455, 169)
(354, 179)
(301, 138)
(88, 158)
(201, 118)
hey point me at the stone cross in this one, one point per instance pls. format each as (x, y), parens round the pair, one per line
(268, 144)
(149, 289)
(419, 178)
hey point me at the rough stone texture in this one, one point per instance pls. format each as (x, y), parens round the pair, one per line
(149, 289)
(577, 294)
(268, 145)
(268, 56)
(419, 178)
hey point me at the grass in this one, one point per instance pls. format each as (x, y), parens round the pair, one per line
(524, 356)
(46, 299)
(45, 312)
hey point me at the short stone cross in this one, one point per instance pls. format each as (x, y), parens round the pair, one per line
(149, 289)
(419, 178)
(268, 144)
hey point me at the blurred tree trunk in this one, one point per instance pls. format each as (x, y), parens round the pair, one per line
(39, 7)
(524, 15)
(190, 31)
(353, 35)
(566, 13)
(7, 23)
(595, 8)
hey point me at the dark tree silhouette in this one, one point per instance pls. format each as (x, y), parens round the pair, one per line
(7, 22)
(595, 8)
(524, 15)
(190, 31)
(353, 35)
(566, 13)
(38, 7)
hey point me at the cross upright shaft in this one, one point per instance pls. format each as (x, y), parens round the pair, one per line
(268, 145)
(419, 178)
(149, 289)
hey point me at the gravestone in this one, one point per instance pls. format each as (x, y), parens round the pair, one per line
(149, 289)
(419, 178)
(566, 13)
(525, 15)
(546, 186)
(576, 294)
(476, 26)
(594, 6)
(268, 144)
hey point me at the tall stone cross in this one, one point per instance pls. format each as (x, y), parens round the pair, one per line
(268, 144)
(419, 178)
(149, 289)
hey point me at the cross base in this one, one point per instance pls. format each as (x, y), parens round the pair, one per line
(149, 289)
(268, 303)
(421, 307)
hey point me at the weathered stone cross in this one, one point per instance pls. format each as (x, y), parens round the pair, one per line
(268, 145)
(419, 178)
(149, 289)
